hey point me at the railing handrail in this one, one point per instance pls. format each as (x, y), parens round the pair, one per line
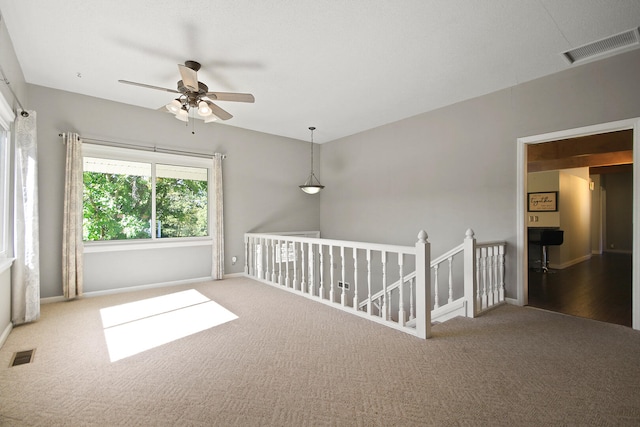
(488, 244)
(445, 256)
(390, 288)
(409, 250)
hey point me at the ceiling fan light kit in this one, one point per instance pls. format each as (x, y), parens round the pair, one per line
(174, 106)
(312, 184)
(182, 115)
(195, 95)
(203, 109)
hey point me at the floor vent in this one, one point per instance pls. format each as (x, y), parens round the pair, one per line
(22, 358)
(607, 46)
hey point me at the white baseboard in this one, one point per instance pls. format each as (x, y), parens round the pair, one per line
(449, 311)
(232, 275)
(130, 289)
(512, 301)
(5, 334)
(570, 263)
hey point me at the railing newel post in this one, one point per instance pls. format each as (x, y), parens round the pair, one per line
(470, 277)
(423, 286)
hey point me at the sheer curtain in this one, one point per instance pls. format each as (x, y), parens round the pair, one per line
(217, 265)
(25, 280)
(72, 246)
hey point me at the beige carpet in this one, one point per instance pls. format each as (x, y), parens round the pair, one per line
(288, 361)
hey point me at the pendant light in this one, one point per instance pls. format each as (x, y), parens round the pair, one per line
(312, 185)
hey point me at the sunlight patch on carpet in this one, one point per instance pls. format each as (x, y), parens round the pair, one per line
(138, 326)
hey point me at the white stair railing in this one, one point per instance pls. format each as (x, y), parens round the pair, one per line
(339, 273)
(324, 269)
(483, 285)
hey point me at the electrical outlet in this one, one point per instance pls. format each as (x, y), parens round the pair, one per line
(343, 285)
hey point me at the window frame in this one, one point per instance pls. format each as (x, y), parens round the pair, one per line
(152, 157)
(7, 117)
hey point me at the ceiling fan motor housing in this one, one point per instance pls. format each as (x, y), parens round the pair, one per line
(193, 97)
(194, 65)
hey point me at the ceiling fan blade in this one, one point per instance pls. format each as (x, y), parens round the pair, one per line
(231, 96)
(189, 77)
(219, 112)
(148, 86)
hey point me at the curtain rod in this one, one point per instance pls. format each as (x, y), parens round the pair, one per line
(145, 147)
(23, 112)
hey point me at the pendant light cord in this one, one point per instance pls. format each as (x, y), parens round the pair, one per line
(312, 129)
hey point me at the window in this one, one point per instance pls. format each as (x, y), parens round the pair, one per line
(4, 190)
(126, 198)
(6, 118)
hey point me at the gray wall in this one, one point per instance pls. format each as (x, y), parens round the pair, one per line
(454, 168)
(261, 176)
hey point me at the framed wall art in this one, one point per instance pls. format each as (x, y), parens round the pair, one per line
(543, 202)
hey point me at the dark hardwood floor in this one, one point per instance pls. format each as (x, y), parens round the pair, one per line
(599, 288)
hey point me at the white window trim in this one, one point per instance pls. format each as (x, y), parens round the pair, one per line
(117, 153)
(7, 117)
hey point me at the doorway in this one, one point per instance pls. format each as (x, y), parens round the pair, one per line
(632, 125)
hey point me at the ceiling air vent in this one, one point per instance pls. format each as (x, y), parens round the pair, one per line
(607, 46)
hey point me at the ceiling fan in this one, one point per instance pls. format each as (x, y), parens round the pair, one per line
(196, 95)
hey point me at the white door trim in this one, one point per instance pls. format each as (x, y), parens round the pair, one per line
(521, 250)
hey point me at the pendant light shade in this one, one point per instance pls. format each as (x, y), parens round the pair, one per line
(312, 184)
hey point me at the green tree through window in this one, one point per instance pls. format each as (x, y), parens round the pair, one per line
(117, 202)
(181, 201)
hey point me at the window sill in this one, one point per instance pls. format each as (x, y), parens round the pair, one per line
(95, 247)
(5, 264)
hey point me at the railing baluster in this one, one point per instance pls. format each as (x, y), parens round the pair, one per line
(355, 278)
(401, 313)
(385, 302)
(436, 304)
(246, 255)
(273, 260)
(496, 280)
(295, 265)
(483, 259)
(478, 279)
(311, 270)
(343, 297)
(257, 262)
(279, 248)
(254, 261)
(252, 249)
(321, 254)
(490, 274)
(450, 279)
(286, 263)
(267, 258)
(411, 312)
(303, 282)
(501, 269)
(331, 274)
(369, 281)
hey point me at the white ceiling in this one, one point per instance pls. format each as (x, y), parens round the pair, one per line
(344, 66)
